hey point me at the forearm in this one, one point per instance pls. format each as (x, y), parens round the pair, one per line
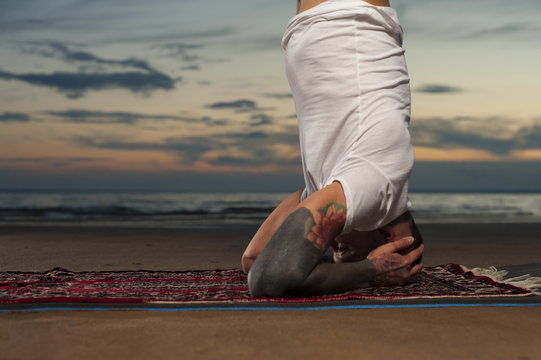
(275, 278)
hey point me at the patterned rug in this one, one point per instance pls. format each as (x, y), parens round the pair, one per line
(230, 286)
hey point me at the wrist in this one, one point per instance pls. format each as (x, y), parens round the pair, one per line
(367, 273)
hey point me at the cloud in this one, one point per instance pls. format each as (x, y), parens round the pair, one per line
(492, 134)
(437, 89)
(188, 53)
(279, 96)
(191, 68)
(183, 51)
(260, 119)
(74, 85)
(234, 160)
(472, 21)
(239, 104)
(57, 162)
(529, 137)
(181, 48)
(243, 135)
(102, 117)
(14, 117)
(190, 148)
(58, 50)
(254, 148)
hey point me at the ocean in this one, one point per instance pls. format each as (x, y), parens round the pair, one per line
(176, 209)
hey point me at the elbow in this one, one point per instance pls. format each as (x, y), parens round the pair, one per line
(261, 286)
(254, 285)
(270, 284)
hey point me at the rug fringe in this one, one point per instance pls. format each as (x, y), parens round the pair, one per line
(527, 281)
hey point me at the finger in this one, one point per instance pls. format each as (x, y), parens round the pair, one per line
(402, 244)
(416, 269)
(413, 274)
(415, 253)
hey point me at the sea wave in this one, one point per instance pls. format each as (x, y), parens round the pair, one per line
(185, 209)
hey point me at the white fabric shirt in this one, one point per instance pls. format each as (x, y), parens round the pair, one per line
(347, 72)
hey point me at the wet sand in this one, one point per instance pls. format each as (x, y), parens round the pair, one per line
(443, 333)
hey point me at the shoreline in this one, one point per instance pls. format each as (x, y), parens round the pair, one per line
(79, 248)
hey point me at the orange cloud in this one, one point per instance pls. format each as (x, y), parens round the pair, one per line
(458, 154)
(530, 154)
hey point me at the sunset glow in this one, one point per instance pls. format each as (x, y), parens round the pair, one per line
(188, 86)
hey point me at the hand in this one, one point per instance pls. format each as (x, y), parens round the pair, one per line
(392, 268)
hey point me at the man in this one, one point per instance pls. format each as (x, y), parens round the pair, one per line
(349, 80)
(289, 263)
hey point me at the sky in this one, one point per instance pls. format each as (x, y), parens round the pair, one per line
(191, 95)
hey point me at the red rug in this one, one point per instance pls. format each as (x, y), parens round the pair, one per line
(223, 286)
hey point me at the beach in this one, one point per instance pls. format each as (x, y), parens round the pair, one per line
(442, 333)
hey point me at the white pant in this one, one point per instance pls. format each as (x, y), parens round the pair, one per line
(346, 69)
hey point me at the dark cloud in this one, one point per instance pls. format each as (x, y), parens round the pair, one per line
(14, 117)
(234, 160)
(57, 162)
(260, 119)
(74, 85)
(530, 137)
(437, 89)
(279, 96)
(488, 134)
(63, 52)
(102, 117)
(195, 148)
(182, 51)
(239, 104)
(190, 148)
(191, 68)
(248, 135)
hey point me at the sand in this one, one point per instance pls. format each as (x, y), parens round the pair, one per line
(443, 333)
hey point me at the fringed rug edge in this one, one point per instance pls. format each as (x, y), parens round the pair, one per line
(524, 282)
